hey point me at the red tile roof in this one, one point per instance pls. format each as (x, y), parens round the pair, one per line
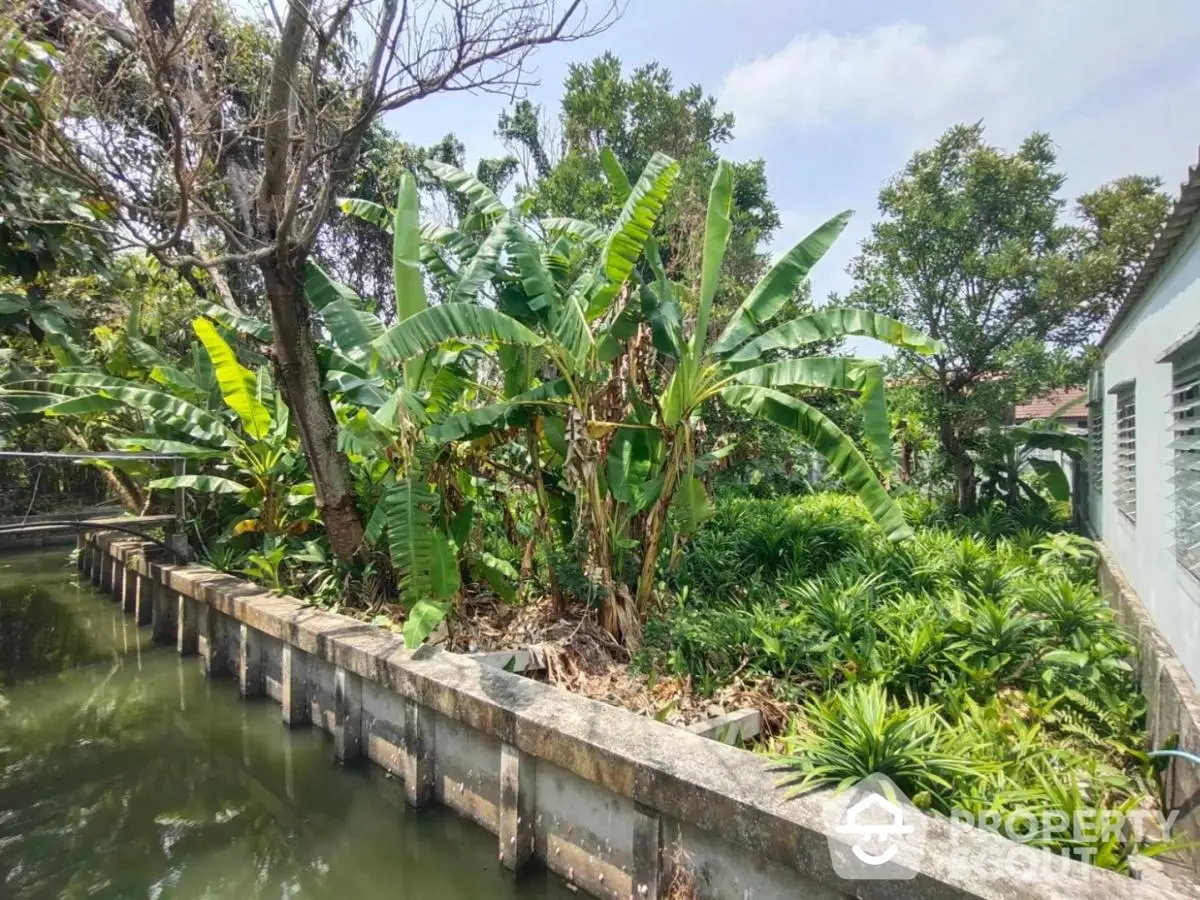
(1044, 407)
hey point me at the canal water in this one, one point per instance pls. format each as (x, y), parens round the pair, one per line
(124, 773)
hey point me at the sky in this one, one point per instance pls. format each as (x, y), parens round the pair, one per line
(835, 95)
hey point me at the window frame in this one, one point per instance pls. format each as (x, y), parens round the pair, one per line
(1125, 450)
(1095, 437)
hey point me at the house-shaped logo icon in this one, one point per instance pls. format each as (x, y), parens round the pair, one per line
(875, 821)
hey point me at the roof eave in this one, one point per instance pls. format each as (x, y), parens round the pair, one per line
(1176, 225)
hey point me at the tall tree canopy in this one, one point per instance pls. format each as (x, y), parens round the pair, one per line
(634, 115)
(973, 246)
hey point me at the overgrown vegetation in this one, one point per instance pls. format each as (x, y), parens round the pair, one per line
(975, 665)
(571, 383)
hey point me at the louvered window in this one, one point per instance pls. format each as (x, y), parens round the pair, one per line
(1185, 427)
(1125, 480)
(1095, 459)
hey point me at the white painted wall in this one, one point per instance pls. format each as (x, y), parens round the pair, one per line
(1168, 310)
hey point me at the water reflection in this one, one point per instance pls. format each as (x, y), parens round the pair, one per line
(50, 622)
(120, 780)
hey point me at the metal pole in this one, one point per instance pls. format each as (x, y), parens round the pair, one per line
(180, 466)
(179, 539)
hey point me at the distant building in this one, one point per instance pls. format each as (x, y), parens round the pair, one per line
(1143, 498)
(1071, 401)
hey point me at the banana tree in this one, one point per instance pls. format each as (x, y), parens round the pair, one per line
(1008, 458)
(246, 439)
(743, 367)
(395, 385)
(564, 314)
(575, 379)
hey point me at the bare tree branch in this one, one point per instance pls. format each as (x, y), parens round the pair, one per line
(219, 143)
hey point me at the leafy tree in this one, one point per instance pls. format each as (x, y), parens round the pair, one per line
(634, 116)
(1120, 219)
(973, 248)
(47, 225)
(210, 175)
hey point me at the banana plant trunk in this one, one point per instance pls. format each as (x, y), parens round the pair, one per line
(133, 501)
(301, 382)
(543, 526)
(655, 523)
(960, 462)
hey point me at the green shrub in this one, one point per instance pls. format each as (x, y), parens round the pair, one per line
(860, 731)
(976, 665)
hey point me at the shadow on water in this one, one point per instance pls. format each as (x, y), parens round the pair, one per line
(135, 777)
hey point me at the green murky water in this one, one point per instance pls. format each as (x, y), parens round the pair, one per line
(124, 773)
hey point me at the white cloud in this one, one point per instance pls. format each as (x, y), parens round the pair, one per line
(894, 73)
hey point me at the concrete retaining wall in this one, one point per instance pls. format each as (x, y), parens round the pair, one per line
(1172, 702)
(612, 801)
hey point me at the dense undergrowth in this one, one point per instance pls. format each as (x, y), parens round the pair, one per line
(975, 665)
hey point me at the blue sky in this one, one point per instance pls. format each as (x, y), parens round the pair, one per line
(836, 94)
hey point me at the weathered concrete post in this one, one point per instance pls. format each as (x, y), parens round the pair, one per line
(162, 611)
(108, 571)
(129, 584)
(143, 598)
(250, 668)
(213, 652)
(187, 637)
(293, 679)
(518, 807)
(96, 560)
(347, 715)
(417, 757)
(647, 874)
(177, 539)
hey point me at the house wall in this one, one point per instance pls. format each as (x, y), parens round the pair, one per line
(1143, 550)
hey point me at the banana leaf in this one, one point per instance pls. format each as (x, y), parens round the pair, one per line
(451, 321)
(205, 484)
(832, 323)
(717, 226)
(166, 409)
(831, 442)
(239, 387)
(776, 288)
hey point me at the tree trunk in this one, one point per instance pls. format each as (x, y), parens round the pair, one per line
(964, 483)
(906, 460)
(961, 465)
(543, 525)
(955, 451)
(301, 383)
